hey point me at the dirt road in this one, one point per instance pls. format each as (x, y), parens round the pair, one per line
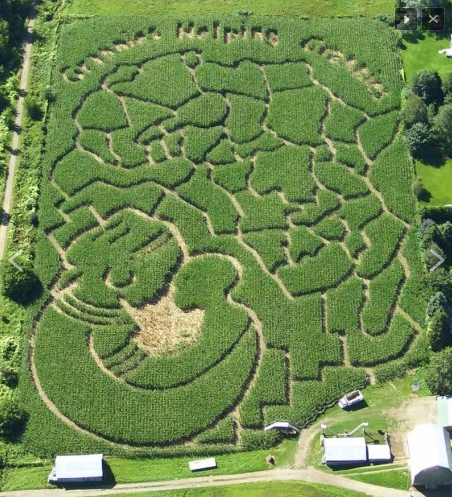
(310, 475)
(8, 198)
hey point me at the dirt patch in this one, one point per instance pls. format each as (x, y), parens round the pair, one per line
(414, 411)
(163, 327)
(120, 47)
(273, 39)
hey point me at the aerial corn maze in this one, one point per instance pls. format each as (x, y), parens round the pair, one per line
(226, 229)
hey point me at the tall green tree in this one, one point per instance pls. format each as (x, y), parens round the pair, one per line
(439, 373)
(427, 85)
(414, 111)
(447, 87)
(438, 331)
(442, 128)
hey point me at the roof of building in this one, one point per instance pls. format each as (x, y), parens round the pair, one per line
(281, 425)
(444, 405)
(429, 447)
(83, 466)
(201, 464)
(348, 449)
(376, 452)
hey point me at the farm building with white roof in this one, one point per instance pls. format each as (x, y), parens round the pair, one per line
(77, 469)
(430, 456)
(344, 451)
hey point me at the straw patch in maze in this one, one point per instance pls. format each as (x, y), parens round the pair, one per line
(232, 243)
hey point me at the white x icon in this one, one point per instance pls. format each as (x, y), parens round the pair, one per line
(434, 19)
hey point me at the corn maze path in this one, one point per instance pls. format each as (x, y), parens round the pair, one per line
(225, 257)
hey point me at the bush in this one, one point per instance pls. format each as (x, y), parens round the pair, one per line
(12, 418)
(437, 302)
(447, 85)
(418, 138)
(439, 373)
(8, 376)
(438, 330)
(20, 286)
(439, 280)
(414, 111)
(427, 85)
(446, 230)
(439, 214)
(442, 124)
(33, 107)
(431, 235)
(419, 190)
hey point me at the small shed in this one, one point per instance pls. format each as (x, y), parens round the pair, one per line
(379, 453)
(344, 451)
(430, 456)
(282, 425)
(444, 405)
(77, 469)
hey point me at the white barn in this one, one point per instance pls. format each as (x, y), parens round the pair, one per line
(430, 456)
(77, 469)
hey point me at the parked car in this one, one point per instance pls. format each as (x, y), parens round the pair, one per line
(350, 399)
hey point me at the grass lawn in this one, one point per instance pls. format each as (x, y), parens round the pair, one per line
(422, 53)
(278, 7)
(399, 479)
(278, 489)
(437, 181)
(147, 469)
(136, 470)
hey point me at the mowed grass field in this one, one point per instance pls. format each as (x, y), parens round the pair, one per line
(436, 181)
(313, 8)
(221, 227)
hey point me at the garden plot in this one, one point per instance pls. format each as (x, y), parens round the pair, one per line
(226, 229)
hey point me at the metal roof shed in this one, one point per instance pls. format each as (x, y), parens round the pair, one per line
(75, 469)
(379, 453)
(282, 425)
(343, 451)
(444, 405)
(430, 456)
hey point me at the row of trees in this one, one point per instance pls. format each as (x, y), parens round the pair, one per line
(427, 115)
(12, 15)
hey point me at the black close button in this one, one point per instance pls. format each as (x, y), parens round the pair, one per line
(433, 19)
